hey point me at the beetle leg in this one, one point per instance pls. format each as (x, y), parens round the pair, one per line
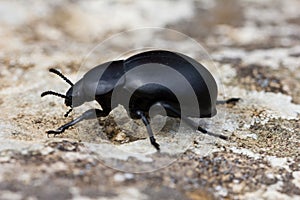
(191, 122)
(89, 114)
(149, 130)
(229, 101)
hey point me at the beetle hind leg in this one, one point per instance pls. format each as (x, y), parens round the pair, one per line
(229, 101)
(191, 122)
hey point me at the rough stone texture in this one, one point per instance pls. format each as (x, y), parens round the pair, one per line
(255, 47)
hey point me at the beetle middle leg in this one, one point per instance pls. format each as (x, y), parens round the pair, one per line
(190, 122)
(89, 114)
(149, 130)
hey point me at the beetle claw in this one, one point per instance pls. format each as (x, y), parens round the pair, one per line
(156, 145)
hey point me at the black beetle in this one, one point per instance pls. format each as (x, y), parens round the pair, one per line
(100, 83)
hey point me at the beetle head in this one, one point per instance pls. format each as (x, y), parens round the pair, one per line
(75, 96)
(68, 100)
(68, 97)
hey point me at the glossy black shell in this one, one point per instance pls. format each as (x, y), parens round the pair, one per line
(148, 78)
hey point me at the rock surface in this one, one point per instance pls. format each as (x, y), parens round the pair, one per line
(255, 48)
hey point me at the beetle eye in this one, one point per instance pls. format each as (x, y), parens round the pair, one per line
(68, 101)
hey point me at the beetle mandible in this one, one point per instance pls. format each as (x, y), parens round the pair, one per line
(100, 82)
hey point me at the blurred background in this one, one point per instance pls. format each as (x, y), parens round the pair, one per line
(254, 44)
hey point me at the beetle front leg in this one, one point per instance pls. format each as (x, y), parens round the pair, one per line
(89, 114)
(149, 130)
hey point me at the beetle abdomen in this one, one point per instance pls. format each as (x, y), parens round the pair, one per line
(192, 84)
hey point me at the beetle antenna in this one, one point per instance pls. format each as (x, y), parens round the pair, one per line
(61, 75)
(54, 93)
(68, 112)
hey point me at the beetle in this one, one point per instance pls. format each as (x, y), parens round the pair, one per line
(102, 82)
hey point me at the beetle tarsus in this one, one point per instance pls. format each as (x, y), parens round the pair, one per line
(223, 137)
(228, 101)
(149, 130)
(54, 132)
(154, 143)
(233, 100)
(202, 130)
